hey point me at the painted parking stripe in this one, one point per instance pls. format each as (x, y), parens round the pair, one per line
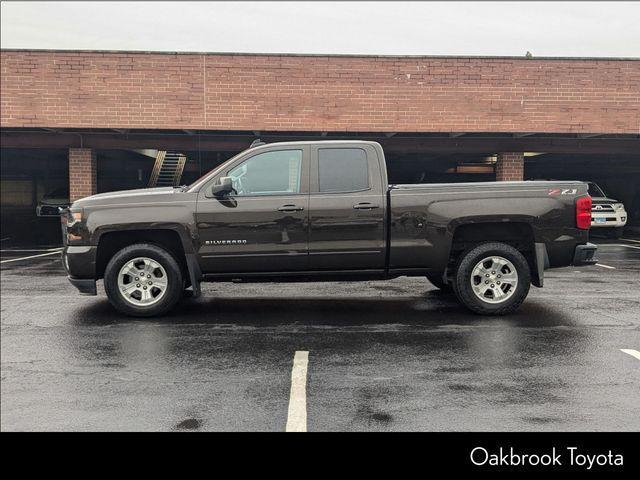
(630, 240)
(16, 250)
(617, 245)
(633, 353)
(31, 256)
(605, 266)
(297, 416)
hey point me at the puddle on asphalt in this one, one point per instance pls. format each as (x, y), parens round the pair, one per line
(188, 424)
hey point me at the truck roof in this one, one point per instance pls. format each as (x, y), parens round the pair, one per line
(311, 142)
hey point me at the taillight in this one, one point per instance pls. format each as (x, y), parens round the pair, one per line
(583, 212)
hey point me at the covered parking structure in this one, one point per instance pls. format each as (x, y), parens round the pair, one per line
(90, 122)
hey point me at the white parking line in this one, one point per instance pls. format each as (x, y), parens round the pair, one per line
(31, 256)
(604, 266)
(617, 245)
(297, 416)
(11, 250)
(630, 240)
(633, 353)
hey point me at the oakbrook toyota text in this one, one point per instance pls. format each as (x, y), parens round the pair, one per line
(324, 211)
(573, 456)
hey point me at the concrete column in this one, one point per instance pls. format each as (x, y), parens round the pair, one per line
(510, 166)
(82, 173)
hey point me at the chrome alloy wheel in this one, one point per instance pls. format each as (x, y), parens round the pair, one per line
(494, 279)
(142, 281)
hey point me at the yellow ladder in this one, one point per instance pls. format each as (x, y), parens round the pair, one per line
(167, 171)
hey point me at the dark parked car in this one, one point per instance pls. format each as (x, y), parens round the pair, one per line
(53, 203)
(309, 211)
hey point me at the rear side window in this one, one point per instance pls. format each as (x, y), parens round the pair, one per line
(342, 170)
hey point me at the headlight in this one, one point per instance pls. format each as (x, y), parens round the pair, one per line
(618, 206)
(72, 220)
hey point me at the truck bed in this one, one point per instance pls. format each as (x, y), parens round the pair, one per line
(425, 218)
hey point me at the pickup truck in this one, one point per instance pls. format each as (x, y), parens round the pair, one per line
(324, 211)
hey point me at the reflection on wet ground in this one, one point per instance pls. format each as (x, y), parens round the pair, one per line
(394, 355)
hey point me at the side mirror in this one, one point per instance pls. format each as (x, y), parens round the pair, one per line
(222, 187)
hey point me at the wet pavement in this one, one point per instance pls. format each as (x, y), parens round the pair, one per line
(393, 355)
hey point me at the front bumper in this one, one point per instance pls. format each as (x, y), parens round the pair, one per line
(48, 210)
(80, 264)
(585, 255)
(609, 219)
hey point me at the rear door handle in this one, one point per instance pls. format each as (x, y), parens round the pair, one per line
(365, 206)
(290, 208)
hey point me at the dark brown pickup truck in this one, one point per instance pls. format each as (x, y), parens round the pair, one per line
(323, 211)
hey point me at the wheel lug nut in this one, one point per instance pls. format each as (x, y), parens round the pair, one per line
(137, 279)
(151, 283)
(493, 273)
(487, 275)
(492, 285)
(498, 283)
(148, 276)
(138, 285)
(486, 281)
(499, 276)
(144, 288)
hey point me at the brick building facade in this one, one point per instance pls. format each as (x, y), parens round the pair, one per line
(55, 97)
(318, 93)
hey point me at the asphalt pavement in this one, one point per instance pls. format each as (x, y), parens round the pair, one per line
(383, 356)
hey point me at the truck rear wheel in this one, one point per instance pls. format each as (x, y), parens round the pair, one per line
(143, 280)
(492, 279)
(436, 281)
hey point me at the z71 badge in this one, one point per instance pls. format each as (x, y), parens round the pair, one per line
(563, 191)
(225, 242)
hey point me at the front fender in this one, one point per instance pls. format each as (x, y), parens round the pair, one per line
(175, 218)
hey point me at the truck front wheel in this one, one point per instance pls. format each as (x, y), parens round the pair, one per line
(492, 279)
(143, 280)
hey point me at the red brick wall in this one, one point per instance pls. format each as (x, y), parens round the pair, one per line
(510, 166)
(301, 93)
(82, 173)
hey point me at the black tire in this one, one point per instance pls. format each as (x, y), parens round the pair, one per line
(436, 281)
(175, 281)
(463, 278)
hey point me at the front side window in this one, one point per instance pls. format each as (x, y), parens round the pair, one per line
(342, 170)
(269, 173)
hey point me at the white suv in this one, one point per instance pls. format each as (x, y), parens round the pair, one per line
(606, 213)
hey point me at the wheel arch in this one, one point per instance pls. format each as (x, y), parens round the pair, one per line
(171, 238)
(518, 234)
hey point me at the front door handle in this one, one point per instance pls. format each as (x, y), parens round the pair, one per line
(290, 208)
(365, 206)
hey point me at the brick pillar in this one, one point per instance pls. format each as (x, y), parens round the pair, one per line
(82, 173)
(510, 166)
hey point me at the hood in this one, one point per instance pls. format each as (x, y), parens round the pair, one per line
(54, 201)
(137, 195)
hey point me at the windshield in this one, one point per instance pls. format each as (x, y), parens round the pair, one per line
(595, 190)
(58, 193)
